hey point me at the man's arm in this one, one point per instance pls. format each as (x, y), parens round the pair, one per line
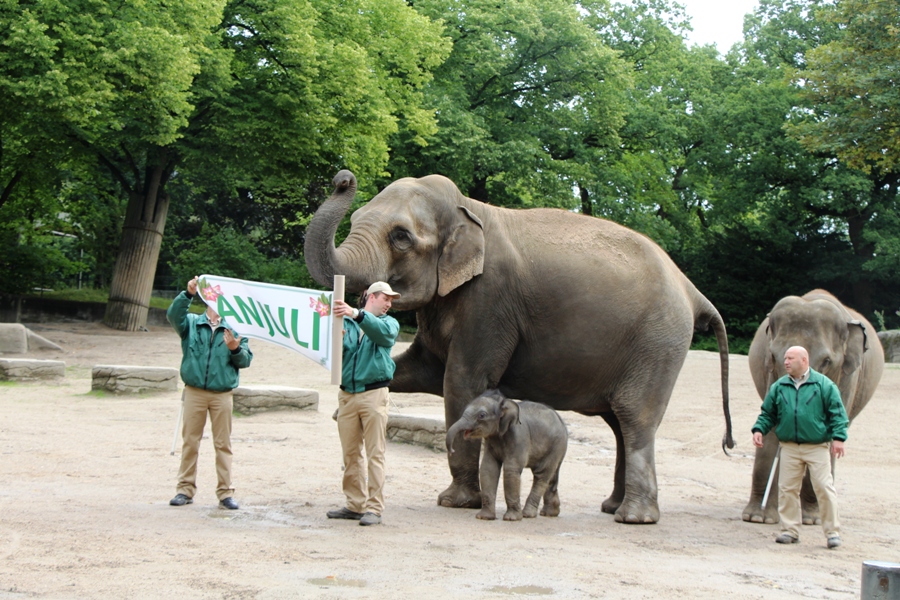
(177, 315)
(382, 331)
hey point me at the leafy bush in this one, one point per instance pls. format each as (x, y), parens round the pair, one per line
(227, 253)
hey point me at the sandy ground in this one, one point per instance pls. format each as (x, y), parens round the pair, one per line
(85, 481)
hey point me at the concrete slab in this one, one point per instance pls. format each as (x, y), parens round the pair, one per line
(890, 341)
(13, 338)
(251, 399)
(28, 369)
(128, 379)
(422, 430)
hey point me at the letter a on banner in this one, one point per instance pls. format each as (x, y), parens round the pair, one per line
(296, 318)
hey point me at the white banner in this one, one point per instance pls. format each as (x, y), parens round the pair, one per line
(296, 318)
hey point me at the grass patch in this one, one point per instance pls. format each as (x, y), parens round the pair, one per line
(98, 394)
(7, 383)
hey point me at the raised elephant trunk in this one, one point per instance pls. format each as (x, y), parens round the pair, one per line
(322, 258)
(460, 425)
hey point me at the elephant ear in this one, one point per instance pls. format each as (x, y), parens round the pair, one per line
(462, 257)
(509, 413)
(857, 344)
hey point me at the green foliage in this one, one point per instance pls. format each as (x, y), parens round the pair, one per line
(854, 81)
(226, 253)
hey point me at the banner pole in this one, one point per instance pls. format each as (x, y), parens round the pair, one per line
(337, 333)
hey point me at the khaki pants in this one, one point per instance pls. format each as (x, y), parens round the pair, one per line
(795, 459)
(362, 421)
(197, 403)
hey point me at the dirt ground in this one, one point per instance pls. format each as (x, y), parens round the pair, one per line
(85, 481)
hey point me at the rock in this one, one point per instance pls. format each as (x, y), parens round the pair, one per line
(125, 379)
(13, 338)
(27, 369)
(890, 341)
(416, 429)
(37, 342)
(252, 399)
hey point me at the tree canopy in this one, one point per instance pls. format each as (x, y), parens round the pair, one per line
(765, 172)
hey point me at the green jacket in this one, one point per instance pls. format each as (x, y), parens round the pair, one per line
(367, 362)
(206, 361)
(814, 414)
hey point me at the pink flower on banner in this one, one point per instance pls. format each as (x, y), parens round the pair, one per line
(211, 293)
(321, 305)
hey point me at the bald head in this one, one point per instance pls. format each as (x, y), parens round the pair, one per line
(796, 361)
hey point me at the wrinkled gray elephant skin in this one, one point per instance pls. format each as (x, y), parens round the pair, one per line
(517, 436)
(571, 311)
(842, 345)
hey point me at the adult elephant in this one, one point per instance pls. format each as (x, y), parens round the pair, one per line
(575, 312)
(842, 345)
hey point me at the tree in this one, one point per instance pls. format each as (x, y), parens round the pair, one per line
(855, 80)
(268, 95)
(527, 94)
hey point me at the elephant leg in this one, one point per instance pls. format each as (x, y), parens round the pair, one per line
(755, 512)
(809, 503)
(551, 496)
(463, 491)
(512, 490)
(612, 504)
(490, 479)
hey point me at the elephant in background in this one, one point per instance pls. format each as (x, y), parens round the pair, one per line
(516, 436)
(842, 345)
(575, 312)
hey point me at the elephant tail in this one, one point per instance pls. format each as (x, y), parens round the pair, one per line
(705, 317)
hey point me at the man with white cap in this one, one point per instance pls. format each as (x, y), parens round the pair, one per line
(369, 335)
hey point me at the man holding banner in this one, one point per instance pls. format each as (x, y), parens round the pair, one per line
(369, 335)
(212, 356)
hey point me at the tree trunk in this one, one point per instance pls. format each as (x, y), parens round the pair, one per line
(132, 281)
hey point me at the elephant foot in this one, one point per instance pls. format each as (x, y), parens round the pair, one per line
(754, 513)
(530, 512)
(460, 496)
(550, 510)
(634, 513)
(486, 515)
(812, 520)
(513, 515)
(611, 505)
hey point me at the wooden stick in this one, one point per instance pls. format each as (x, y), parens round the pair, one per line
(337, 335)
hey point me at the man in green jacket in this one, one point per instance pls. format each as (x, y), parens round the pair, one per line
(369, 335)
(212, 355)
(806, 410)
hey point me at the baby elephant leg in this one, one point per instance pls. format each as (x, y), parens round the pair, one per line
(512, 488)
(489, 478)
(538, 488)
(551, 497)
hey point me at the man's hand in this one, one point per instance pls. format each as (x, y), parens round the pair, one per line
(231, 341)
(757, 439)
(837, 448)
(192, 286)
(342, 309)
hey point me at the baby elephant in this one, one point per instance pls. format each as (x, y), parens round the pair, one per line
(516, 435)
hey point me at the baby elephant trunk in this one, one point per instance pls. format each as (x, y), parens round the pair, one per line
(460, 425)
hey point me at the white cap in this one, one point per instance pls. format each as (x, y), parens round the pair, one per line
(380, 286)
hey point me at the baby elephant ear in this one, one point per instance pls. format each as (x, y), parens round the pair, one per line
(462, 256)
(509, 414)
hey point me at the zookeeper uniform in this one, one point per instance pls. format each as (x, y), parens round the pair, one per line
(210, 371)
(807, 415)
(363, 407)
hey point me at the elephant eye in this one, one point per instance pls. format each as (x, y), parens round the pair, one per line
(482, 415)
(401, 239)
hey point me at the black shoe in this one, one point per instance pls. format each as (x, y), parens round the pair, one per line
(181, 500)
(344, 513)
(370, 518)
(228, 503)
